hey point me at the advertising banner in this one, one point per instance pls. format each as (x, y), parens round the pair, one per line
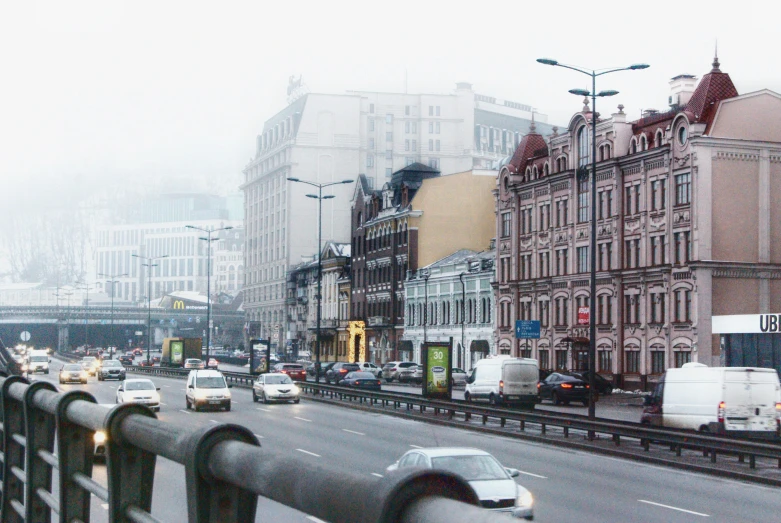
(259, 355)
(583, 315)
(437, 370)
(177, 350)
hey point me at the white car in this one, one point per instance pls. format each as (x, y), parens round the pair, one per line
(207, 388)
(458, 376)
(140, 391)
(275, 386)
(367, 366)
(492, 483)
(193, 363)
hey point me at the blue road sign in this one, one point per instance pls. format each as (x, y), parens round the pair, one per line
(527, 329)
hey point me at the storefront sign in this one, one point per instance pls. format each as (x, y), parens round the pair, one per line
(747, 324)
(437, 369)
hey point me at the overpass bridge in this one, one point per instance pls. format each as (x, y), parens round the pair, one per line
(67, 327)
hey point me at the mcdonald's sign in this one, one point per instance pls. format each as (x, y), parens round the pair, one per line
(178, 304)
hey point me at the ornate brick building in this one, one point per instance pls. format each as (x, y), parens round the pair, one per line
(687, 229)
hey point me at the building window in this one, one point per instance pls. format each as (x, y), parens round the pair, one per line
(683, 189)
(544, 359)
(683, 135)
(681, 357)
(371, 144)
(371, 124)
(683, 247)
(406, 145)
(657, 360)
(437, 128)
(406, 110)
(632, 361)
(406, 127)
(436, 146)
(389, 136)
(431, 127)
(437, 111)
(583, 206)
(369, 160)
(388, 172)
(388, 118)
(605, 361)
(561, 360)
(389, 154)
(371, 108)
(582, 146)
(583, 259)
(409, 160)
(506, 222)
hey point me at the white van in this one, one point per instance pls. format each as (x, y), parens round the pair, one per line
(38, 362)
(742, 401)
(207, 388)
(504, 380)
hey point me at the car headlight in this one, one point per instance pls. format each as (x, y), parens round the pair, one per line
(525, 498)
(228, 394)
(24, 367)
(296, 390)
(199, 394)
(100, 437)
(84, 374)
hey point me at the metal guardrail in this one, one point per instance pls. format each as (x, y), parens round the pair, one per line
(225, 467)
(676, 440)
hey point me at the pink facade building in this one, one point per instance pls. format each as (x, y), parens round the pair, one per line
(688, 228)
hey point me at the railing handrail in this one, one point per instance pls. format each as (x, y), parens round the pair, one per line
(226, 469)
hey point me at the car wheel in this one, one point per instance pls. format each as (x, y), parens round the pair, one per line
(297, 401)
(47, 372)
(228, 408)
(389, 380)
(264, 398)
(187, 403)
(83, 382)
(585, 402)
(555, 398)
(254, 397)
(467, 397)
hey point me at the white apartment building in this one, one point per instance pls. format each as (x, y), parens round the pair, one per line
(323, 138)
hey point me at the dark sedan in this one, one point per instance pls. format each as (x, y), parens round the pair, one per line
(602, 385)
(362, 380)
(339, 370)
(563, 388)
(127, 359)
(294, 370)
(146, 363)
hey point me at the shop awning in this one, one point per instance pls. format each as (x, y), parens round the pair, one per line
(405, 345)
(479, 346)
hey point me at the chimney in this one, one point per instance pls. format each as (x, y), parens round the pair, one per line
(681, 89)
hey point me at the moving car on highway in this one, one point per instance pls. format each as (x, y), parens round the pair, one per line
(111, 370)
(339, 370)
(563, 388)
(127, 359)
(141, 391)
(90, 364)
(193, 363)
(275, 386)
(294, 370)
(390, 371)
(493, 483)
(362, 380)
(207, 388)
(73, 373)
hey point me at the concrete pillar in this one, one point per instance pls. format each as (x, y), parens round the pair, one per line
(62, 337)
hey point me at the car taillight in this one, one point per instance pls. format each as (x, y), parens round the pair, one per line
(722, 409)
(566, 386)
(343, 371)
(379, 383)
(501, 387)
(539, 385)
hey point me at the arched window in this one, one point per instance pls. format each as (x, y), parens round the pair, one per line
(534, 172)
(643, 143)
(633, 145)
(659, 138)
(546, 169)
(582, 146)
(607, 151)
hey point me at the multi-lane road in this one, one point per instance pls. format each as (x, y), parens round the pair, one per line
(567, 485)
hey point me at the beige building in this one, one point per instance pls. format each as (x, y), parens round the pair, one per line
(687, 229)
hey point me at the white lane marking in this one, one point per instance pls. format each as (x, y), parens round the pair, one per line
(235, 402)
(310, 453)
(258, 436)
(533, 475)
(167, 386)
(416, 447)
(378, 475)
(185, 411)
(104, 505)
(353, 432)
(214, 421)
(264, 410)
(674, 508)
(164, 404)
(316, 520)
(303, 419)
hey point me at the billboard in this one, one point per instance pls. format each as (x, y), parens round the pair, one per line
(177, 350)
(437, 370)
(259, 356)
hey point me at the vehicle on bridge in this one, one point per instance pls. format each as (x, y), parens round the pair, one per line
(207, 388)
(176, 351)
(38, 362)
(493, 483)
(141, 391)
(73, 372)
(275, 386)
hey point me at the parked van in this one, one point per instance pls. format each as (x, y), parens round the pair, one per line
(504, 380)
(741, 401)
(38, 362)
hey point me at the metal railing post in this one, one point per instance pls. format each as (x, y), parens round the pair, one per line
(210, 500)
(130, 469)
(75, 453)
(40, 427)
(13, 454)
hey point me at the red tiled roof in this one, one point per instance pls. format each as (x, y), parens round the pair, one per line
(712, 89)
(530, 146)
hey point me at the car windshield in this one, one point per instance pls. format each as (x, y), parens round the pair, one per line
(210, 382)
(111, 363)
(72, 368)
(361, 376)
(39, 358)
(87, 360)
(471, 468)
(278, 380)
(193, 361)
(293, 367)
(139, 385)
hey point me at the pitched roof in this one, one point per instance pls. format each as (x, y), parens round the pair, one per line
(712, 89)
(531, 146)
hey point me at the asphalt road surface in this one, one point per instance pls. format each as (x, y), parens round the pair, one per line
(567, 485)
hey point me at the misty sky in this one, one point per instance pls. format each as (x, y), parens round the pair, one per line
(107, 92)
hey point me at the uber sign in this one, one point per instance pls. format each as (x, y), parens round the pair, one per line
(747, 324)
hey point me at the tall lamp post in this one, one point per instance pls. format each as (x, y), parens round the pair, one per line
(592, 323)
(425, 275)
(149, 263)
(67, 320)
(319, 196)
(463, 317)
(112, 281)
(86, 287)
(208, 239)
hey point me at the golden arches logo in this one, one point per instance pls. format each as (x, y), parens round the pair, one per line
(178, 304)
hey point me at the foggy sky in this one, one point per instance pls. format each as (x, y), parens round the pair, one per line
(101, 93)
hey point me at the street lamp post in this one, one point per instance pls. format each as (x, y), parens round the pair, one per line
(112, 281)
(319, 196)
(67, 319)
(149, 264)
(592, 346)
(208, 239)
(463, 304)
(86, 314)
(425, 275)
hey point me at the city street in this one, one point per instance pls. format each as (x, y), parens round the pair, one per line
(567, 485)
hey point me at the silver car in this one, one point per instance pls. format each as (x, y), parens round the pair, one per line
(492, 483)
(275, 386)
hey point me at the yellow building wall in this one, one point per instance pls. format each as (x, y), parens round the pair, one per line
(457, 213)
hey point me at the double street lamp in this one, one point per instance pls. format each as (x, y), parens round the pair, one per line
(208, 239)
(592, 347)
(319, 197)
(112, 281)
(149, 263)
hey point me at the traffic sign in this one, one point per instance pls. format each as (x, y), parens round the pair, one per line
(24, 336)
(527, 329)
